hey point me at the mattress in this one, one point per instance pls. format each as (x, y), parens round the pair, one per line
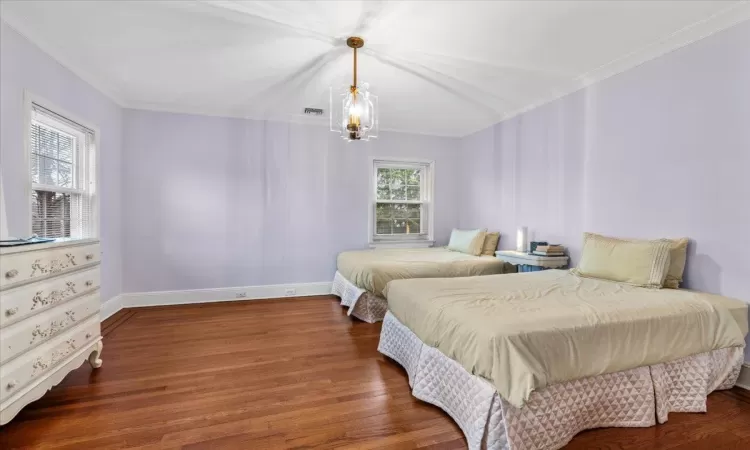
(371, 270)
(631, 398)
(523, 332)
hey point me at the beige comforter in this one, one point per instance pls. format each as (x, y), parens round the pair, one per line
(371, 270)
(525, 331)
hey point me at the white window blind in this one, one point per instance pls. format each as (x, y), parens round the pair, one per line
(62, 164)
(402, 195)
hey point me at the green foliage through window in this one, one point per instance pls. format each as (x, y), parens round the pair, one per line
(396, 185)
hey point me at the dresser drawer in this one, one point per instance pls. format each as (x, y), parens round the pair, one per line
(21, 336)
(21, 302)
(33, 365)
(27, 266)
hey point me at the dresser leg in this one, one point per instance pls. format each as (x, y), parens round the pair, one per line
(94, 356)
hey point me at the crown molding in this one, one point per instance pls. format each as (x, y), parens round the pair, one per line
(105, 88)
(726, 18)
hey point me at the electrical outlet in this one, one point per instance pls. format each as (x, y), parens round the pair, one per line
(290, 291)
(241, 295)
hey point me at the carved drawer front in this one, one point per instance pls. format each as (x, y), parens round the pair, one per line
(40, 328)
(32, 366)
(25, 266)
(29, 299)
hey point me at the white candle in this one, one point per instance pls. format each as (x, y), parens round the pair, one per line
(521, 239)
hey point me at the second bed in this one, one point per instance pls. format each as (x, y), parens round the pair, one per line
(361, 276)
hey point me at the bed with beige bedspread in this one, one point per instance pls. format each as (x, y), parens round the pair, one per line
(523, 332)
(362, 275)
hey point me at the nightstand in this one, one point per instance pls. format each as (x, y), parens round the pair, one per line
(532, 263)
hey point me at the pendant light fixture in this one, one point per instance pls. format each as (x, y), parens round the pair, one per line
(357, 119)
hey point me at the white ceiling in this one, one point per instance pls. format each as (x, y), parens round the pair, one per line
(439, 67)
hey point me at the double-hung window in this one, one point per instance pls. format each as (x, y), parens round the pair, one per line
(62, 165)
(402, 202)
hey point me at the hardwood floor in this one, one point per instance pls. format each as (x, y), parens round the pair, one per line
(291, 373)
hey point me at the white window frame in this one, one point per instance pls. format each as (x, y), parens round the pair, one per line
(88, 159)
(425, 238)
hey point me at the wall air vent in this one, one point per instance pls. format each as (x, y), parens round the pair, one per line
(314, 111)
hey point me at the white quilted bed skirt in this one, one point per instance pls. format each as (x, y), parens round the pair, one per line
(361, 304)
(552, 416)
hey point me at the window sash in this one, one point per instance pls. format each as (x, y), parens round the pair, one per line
(424, 202)
(422, 225)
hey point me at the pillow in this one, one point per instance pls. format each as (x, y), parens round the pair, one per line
(467, 241)
(490, 243)
(632, 261)
(677, 258)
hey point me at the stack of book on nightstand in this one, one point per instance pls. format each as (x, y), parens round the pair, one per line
(549, 250)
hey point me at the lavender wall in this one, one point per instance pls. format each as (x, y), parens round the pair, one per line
(217, 202)
(662, 150)
(24, 66)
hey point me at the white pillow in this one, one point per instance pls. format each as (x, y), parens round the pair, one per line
(467, 241)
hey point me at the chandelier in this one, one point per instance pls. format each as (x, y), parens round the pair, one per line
(357, 117)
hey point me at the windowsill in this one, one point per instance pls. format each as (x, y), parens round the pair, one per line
(417, 243)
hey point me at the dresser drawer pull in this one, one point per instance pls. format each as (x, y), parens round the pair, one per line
(11, 311)
(88, 335)
(11, 273)
(89, 257)
(89, 283)
(11, 384)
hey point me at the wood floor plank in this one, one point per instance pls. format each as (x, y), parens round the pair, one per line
(281, 374)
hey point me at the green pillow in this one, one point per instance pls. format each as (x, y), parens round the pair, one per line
(467, 241)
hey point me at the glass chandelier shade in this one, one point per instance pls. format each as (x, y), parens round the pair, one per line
(353, 111)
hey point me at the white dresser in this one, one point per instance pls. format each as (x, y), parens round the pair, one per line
(49, 317)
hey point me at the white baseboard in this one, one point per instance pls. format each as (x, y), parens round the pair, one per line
(744, 380)
(161, 298)
(110, 307)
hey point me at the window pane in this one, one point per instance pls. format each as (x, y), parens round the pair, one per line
(52, 157)
(397, 179)
(37, 227)
(412, 193)
(413, 178)
(54, 228)
(43, 141)
(34, 168)
(50, 214)
(58, 205)
(398, 193)
(384, 183)
(412, 226)
(37, 205)
(400, 210)
(384, 179)
(65, 174)
(48, 174)
(65, 150)
(398, 218)
(384, 226)
(399, 226)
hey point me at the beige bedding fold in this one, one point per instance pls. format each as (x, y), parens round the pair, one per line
(371, 270)
(525, 331)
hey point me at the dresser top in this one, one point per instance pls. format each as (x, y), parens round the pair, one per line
(61, 242)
